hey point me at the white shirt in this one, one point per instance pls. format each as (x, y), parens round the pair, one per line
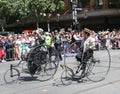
(89, 43)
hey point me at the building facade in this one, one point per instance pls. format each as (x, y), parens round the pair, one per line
(95, 14)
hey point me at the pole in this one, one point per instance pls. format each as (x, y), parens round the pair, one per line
(74, 14)
(75, 23)
(37, 24)
(48, 25)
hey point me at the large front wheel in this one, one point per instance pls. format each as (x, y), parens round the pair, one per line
(99, 65)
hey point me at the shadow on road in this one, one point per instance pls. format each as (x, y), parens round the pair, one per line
(28, 78)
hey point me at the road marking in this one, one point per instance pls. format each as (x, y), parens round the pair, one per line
(44, 90)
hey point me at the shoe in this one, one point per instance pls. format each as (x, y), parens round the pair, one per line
(3, 61)
(94, 61)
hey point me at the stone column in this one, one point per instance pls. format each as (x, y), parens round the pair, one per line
(105, 3)
(92, 3)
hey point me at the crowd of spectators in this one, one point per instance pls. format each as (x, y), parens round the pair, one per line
(12, 47)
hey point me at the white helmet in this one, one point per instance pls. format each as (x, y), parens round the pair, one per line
(39, 30)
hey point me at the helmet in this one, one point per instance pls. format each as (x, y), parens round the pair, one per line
(39, 30)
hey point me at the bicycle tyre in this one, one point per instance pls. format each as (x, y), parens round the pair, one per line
(99, 65)
(20, 62)
(8, 78)
(47, 71)
(25, 67)
(67, 77)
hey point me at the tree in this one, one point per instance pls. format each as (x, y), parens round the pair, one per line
(17, 9)
(45, 6)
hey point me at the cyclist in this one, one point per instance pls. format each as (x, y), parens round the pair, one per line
(39, 36)
(48, 39)
(87, 47)
(34, 59)
(58, 44)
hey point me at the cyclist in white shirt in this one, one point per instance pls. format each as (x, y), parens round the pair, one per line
(87, 47)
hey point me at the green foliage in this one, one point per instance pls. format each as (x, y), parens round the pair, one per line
(3, 7)
(23, 8)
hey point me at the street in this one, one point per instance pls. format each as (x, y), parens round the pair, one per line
(111, 84)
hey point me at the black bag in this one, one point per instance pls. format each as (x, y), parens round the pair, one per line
(36, 59)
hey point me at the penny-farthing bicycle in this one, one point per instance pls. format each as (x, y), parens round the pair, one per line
(97, 66)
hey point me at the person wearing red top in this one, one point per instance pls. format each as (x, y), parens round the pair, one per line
(2, 53)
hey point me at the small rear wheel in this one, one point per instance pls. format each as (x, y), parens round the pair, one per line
(11, 75)
(47, 71)
(99, 65)
(67, 77)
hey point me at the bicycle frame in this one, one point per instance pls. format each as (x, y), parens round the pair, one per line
(11, 71)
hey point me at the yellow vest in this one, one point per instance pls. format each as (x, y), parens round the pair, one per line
(48, 41)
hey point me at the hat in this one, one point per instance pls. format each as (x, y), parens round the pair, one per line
(87, 30)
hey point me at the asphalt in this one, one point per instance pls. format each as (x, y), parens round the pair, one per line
(110, 85)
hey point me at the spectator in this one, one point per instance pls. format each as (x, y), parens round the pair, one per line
(2, 53)
(9, 49)
(16, 48)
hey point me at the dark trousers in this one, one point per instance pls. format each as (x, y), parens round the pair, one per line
(58, 50)
(9, 54)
